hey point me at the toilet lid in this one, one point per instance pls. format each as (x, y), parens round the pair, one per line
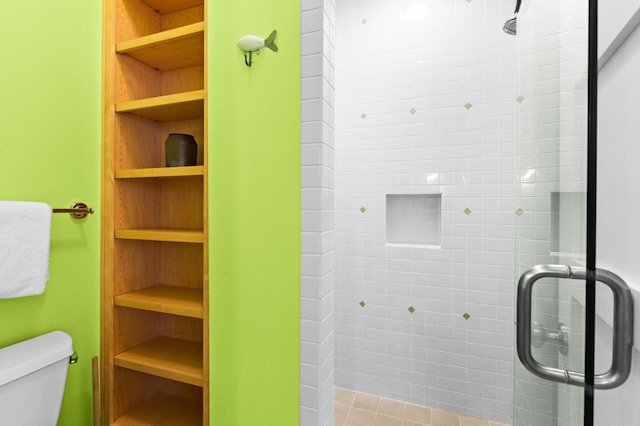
(31, 355)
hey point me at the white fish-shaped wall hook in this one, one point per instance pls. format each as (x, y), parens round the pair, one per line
(252, 43)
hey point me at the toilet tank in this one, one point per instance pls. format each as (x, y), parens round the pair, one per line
(32, 379)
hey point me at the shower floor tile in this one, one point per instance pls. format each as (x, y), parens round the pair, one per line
(359, 409)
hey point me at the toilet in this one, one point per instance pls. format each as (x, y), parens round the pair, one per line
(32, 379)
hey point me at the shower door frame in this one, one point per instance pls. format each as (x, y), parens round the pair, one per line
(592, 169)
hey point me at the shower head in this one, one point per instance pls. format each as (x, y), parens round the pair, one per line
(510, 25)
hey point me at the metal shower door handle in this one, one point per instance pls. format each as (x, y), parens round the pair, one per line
(622, 326)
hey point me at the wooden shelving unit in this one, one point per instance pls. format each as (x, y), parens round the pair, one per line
(162, 409)
(155, 333)
(176, 107)
(164, 298)
(160, 172)
(172, 49)
(166, 357)
(170, 235)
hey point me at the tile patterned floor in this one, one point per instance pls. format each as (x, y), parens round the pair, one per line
(359, 409)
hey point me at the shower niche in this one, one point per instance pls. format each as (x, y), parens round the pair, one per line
(567, 224)
(413, 219)
(155, 339)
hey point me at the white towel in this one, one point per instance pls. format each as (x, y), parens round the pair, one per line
(25, 236)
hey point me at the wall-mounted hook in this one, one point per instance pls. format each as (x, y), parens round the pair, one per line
(251, 43)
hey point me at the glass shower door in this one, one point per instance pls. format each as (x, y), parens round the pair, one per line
(554, 312)
(551, 167)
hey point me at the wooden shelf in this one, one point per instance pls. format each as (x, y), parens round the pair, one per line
(177, 107)
(170, 6)
(166, 299)
(163, 409)
(160, 172)
(173, 359)
(159, 234)
(168, 50)
(155, 222)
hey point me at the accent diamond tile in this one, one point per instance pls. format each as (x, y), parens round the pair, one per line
(411, 309)
(364, 21)
(466, 315)
(468, 105)
(362, 209)
(467, 211)
(519, 212)
(520, 99)
(362, 303)
(412, 111)
(363, 116)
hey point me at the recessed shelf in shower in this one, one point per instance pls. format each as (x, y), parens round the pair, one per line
(413, 219)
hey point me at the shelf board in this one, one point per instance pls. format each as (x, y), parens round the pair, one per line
(176, 107)
(162, 409)
(162, 356)
(160, 172)
(161, 234)
(168, 50)
(166, 299)
(169, 6)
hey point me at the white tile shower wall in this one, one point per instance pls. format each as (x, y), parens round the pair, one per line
(425, 104)
(317, 280)
(551, 163)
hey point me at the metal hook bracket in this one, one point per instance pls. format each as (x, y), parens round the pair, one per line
(77, 211)
(251, 43)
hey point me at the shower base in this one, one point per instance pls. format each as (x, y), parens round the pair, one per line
(359, 409)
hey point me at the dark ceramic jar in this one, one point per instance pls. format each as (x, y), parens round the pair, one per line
(181, 150)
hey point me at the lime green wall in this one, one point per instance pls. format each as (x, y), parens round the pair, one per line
(49, 151)
(254, 157)
(49, 122)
